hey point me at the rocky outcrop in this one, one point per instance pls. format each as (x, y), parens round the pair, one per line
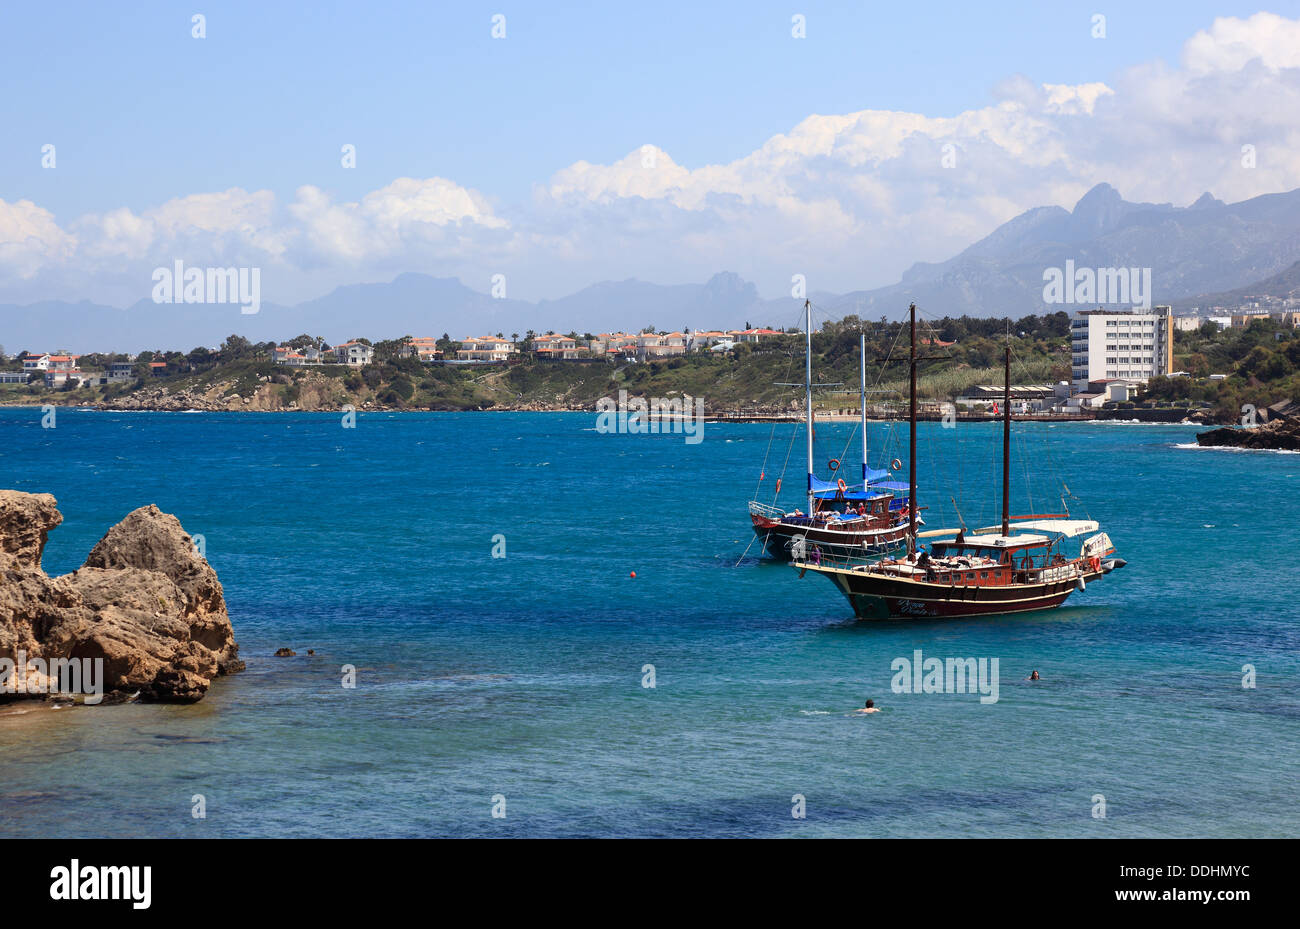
(1283, 434)
(146, 607)
(314, 393)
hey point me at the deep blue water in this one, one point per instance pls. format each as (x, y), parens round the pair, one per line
(521, 676)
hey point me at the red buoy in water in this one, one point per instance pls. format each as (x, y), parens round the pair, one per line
(633, 574)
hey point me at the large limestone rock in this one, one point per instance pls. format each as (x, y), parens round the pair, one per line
(145, 603)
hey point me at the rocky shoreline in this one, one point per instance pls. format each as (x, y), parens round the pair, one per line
(146, 610)
(1279, 435)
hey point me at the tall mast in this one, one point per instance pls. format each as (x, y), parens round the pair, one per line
(862, 351)
(911, 453)
(1006, 444)
(807, 379)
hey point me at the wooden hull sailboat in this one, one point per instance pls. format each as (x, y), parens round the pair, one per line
(860, 519)
(987, 573)
(1017, 567)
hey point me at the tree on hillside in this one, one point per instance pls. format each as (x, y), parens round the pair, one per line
(234, 348)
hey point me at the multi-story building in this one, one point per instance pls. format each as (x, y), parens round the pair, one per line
(653, 345)
(557, 348)
(1105, 345)
(121, 371)
(485, 349)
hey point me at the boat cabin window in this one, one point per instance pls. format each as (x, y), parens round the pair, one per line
(946, 549)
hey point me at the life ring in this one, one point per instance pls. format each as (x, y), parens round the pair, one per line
(841, 485)
(833, 464)
(895, 465)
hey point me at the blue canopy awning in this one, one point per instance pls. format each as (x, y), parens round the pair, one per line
(827, 490)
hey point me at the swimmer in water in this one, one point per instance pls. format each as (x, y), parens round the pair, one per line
(870, 707)
(1034, 676)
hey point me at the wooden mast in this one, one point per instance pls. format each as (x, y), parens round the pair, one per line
(1006, 443)
(807, 304)
(862, 403)
(911, 455)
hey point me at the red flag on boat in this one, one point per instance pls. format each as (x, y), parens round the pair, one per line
(995, 408)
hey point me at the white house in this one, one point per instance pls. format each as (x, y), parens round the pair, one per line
(36, 363)
(354, 353)
(57, 377)
(487, 348)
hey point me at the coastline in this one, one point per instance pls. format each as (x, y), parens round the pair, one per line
(1137, 416)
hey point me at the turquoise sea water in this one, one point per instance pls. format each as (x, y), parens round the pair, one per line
(522, 676)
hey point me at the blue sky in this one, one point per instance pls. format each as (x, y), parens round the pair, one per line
(141, 113)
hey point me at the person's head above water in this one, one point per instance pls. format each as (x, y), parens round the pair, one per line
(1033, 676)
(870, 704)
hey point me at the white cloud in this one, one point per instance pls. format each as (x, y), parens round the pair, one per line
(406, 214)
(230, 223)
(30, 239)
(1230, 44)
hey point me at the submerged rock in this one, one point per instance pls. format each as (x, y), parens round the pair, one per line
(145, 603)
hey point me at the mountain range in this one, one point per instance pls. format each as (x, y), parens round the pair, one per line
(1203, 253)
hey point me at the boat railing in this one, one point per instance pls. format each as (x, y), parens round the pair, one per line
(844, 557)
(763, 509)
(1032, 569)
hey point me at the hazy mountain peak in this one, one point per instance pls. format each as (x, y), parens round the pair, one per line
(1101, 194)
(1205, 201)
(728, 286)
(1099, 209)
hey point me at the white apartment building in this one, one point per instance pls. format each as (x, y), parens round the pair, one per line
(1107, 345)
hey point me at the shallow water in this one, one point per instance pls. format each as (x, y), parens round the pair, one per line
(522, 676)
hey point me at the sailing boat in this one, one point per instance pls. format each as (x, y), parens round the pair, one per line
(1015, 567)
(849, 519)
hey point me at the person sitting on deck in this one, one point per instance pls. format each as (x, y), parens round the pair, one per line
(862, 509)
